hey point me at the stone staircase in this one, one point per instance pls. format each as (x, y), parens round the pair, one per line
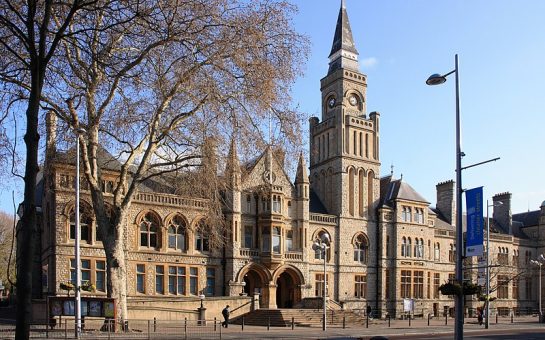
(300, 317)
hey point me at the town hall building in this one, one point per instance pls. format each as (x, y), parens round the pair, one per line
(386, 242)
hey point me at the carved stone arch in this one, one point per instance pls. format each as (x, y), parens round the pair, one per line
(193, 233)
(358, 95)
(260, 269)
(144, 212)
(87, 220)
(171, 216)
(355, 237)
(71, 205)
(352, 173)
(288, 281)
(294, 271)
(177, 241)
(149, 239)
(361, 249)
(370, 194)
(327, 97)
(318, 232)
(315, 236)
(256, 278)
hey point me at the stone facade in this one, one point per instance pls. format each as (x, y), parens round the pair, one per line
(386, 244)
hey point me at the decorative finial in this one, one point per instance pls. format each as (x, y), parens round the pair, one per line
(401, 177)
(392, 170)
(343, 4)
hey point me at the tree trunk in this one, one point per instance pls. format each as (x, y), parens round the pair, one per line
(114, 247)
(27, 227)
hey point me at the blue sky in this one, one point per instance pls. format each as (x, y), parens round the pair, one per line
(501, 46)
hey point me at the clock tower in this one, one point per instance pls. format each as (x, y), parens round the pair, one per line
(344, 157)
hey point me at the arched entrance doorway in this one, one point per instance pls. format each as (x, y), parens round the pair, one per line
(256, 279)
(288, 288)
(254, 282)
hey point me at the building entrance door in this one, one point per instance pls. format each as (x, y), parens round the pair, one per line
(287, 290)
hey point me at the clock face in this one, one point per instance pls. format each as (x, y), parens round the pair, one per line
(331, 102)
(353, 100)
(268, 178)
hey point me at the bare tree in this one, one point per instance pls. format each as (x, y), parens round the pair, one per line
(30, 33)
(155, 89)
(501, 274)
(7, 248)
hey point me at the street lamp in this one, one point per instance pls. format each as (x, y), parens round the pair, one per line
(539, 262)
(77, 235)
(322, 244)
(202, 310)
(437, 79)
(495, 204)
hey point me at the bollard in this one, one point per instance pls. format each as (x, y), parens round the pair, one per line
(269, 323)
(429, 319)
(367, 321)
(149, 329)
(215, 325)
(185, 328)
(154, 325)
(389, 320)
(243, 322)
(409, 320)
(446, 319)
(511, 318)
(496, 317)
(109, 328)
(344, 322)
(292, 322)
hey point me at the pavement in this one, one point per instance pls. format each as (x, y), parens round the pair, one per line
(396, 329)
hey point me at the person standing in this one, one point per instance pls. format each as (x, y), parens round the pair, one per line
(225, 312)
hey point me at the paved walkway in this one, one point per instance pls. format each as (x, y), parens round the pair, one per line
(396, 329)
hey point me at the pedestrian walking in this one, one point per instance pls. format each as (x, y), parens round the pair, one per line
(225, 312)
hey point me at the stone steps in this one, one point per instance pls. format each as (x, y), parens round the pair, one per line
(300, 317)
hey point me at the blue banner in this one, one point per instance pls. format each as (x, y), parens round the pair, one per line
(475, 227)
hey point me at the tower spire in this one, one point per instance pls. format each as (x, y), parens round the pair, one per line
(301, 175)
(343, 50)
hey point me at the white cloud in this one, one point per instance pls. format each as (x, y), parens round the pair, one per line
(369, 62)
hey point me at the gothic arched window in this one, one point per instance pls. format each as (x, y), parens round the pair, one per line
(360, 249)
(202, 242)
(149, 231)
(177, 234)
(318, 253)
(85, 223)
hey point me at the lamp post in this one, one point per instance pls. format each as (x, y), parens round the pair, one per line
(202, 310)
(322, 244)
(495, 204)
(77, 236)
(539, 262)
(437, 79)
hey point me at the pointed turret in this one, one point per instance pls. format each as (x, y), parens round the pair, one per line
(233, 166)
(343, 51)
(301, 179)
(301, 176)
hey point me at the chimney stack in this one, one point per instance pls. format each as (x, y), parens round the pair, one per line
(502, 212)
(446, 203)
